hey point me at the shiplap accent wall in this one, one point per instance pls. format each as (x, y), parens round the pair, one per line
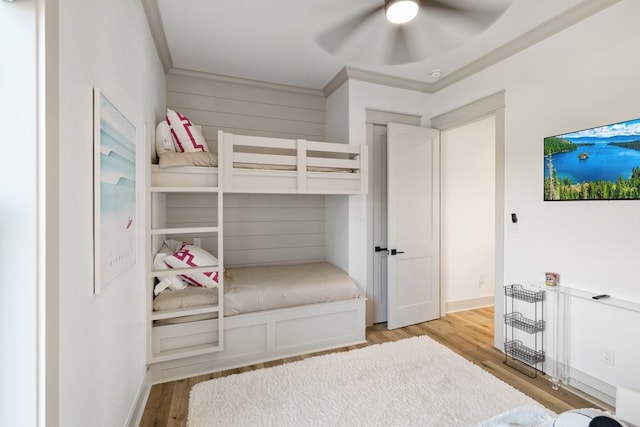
(259, 229)
(246, 107)
(267, 229)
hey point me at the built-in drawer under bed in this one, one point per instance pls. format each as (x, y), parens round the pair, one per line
(250, 289)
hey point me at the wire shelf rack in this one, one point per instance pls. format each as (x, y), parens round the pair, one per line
(521, 352)
(517, 320)
(518, 292)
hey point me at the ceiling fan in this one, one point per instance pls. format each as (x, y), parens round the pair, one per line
(413, 29)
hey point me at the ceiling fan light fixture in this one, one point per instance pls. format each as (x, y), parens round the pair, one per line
(400, 11)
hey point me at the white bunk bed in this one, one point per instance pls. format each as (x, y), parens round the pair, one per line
(258, 336)
(252, 164)
(248, 164)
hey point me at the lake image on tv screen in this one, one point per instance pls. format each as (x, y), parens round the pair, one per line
(601, 163)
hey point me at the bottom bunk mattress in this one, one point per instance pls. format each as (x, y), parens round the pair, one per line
(251, 289)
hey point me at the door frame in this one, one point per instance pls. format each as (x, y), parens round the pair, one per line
(492, 105)
(383, 118)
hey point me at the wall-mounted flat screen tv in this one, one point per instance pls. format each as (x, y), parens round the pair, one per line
(601, 163)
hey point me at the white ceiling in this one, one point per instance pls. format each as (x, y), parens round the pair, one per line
(274, 40)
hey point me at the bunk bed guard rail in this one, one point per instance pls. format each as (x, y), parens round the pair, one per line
(318, 167)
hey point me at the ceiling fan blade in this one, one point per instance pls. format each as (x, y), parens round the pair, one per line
(439, 5)
(335, 37)
(478, 16)
(400, 50)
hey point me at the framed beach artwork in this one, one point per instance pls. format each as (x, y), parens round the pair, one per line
(601, 163)
(114, 192)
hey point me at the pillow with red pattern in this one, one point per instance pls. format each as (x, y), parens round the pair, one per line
(186, 137)
(188, 256)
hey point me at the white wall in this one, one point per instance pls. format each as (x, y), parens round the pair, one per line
(102, 338)
(468, 232)
(337, 130)
(582, 77)
(364, 95)
(337, 115)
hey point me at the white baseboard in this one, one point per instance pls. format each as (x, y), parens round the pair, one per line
(137, 409)
(593, 386)
(470, 304)
(588, 387)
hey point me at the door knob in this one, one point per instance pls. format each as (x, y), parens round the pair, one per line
(395, 252)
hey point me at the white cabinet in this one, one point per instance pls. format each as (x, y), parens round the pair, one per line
(167, 338)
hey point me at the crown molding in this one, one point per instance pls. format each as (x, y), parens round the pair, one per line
(337, 81)
(348, 73)
(245, 82)
(559, 23)
(154, 21)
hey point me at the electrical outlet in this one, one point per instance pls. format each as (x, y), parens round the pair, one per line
(481, 280)
(197, 241)
(607, 355)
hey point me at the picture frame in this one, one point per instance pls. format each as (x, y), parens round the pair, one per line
(599, 163)
(114, 191)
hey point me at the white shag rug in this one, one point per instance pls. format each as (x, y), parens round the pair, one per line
(411, 382)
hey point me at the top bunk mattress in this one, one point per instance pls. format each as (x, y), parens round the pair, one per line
(250, 289)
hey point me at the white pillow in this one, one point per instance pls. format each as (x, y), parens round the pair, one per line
(173, 283)
(194, 256)
(164, 140)
(186, 136)
(168, 282)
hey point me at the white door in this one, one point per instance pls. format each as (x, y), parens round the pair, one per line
(413, 225)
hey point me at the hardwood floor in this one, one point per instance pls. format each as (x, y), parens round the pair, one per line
(468, 333)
